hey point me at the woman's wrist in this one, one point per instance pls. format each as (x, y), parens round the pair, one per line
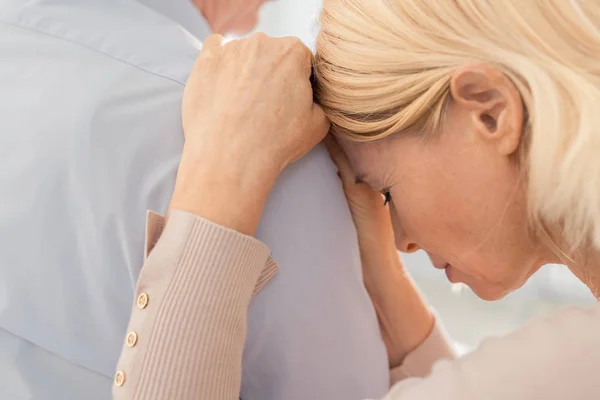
(404, 316)
(227, 191)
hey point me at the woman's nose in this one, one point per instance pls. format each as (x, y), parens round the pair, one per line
(404, 245)
(403, 242)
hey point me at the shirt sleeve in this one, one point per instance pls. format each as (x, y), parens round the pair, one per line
(188, 323)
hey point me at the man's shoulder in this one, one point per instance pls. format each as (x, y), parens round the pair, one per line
(121, 31)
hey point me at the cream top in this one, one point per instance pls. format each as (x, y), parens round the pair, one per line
(188, 325)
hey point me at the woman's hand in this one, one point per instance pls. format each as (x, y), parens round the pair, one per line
(404, 317)
(248, 112)
(370, 214)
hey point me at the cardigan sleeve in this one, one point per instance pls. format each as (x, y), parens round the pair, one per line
(556, 357)
(419, 362)
(188, 325)
(188, 322)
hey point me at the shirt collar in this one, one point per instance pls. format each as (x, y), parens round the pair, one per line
(184, 13)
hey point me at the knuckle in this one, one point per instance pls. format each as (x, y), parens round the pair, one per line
(294, 45)
(257, 43)
(213, 36)
(259, 37)
(300, 51)
(232, 46)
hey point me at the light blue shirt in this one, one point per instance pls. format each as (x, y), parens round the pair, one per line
(90, 94)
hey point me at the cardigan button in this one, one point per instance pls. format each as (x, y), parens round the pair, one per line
(132, 339)
(142, 300)
(120, 378)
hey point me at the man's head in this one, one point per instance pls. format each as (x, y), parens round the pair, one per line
(230, 16)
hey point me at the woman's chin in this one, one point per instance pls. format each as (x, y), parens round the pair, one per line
(482, 289)
(489, 293)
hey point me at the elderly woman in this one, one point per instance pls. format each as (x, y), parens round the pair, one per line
(466, 128)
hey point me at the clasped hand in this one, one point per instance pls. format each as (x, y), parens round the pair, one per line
(248, 112)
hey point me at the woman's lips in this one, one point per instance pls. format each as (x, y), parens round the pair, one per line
(448, 270)
(441, 266)
(447, 267)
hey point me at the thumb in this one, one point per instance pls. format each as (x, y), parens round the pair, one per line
(341, 161)
(320, 123)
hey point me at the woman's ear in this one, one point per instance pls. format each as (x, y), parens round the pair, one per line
(493, 102)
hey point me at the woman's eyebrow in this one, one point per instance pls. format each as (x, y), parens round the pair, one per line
(368, 180)
(361, 178)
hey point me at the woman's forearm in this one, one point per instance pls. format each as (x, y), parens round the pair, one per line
(226, 189)
(404, 317)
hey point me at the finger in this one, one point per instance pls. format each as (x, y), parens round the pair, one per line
(309, 64)
(213, 42)
(205, 58)
(320, 122)
(303, 54)
(341, 160)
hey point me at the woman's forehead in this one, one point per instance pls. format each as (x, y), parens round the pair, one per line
(366, 158)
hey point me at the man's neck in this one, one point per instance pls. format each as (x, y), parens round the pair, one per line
(213, 12)
(184, 12)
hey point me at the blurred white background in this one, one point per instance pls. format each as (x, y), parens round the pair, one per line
(467, 318)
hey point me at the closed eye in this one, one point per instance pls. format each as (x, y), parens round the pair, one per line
(388, 197)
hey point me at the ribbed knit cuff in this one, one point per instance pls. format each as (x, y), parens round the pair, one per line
(418, 363)
(199, 280)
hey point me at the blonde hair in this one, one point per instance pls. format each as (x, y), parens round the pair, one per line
(384, 67)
